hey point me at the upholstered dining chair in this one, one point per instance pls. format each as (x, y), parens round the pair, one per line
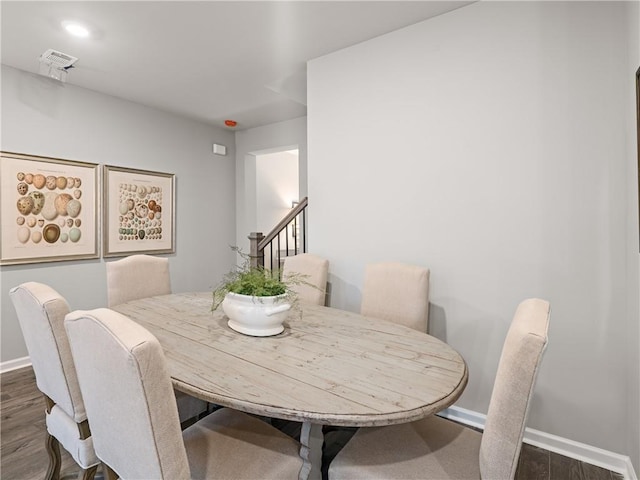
(137, 276)
(127, 390)
(311, 271)
(141, 276)
(41, 311)
(438, 448)
(397, 292)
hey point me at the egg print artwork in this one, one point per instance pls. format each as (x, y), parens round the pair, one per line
(23, 234)
(38, 202)
(74, 234)
(51, 233)
(61, 202)
(73, 208)
(39, 181)
(49, 209)
(137, 206)
(25, 205)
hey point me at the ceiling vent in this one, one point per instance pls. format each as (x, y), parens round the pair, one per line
(56, 64)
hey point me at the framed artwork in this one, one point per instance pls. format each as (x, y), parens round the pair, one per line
(638, 135)
(48, 209)
(139, 212)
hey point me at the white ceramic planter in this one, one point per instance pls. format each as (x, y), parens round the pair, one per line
(256, 316)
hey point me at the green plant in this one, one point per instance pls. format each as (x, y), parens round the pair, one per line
(255, 281)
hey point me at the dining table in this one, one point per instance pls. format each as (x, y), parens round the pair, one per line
(328, 366)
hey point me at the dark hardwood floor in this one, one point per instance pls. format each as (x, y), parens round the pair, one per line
(23, 433)
(23, 430)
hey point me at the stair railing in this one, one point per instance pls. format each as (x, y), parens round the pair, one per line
(290, 233)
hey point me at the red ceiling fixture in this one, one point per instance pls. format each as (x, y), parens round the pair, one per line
(230, 123)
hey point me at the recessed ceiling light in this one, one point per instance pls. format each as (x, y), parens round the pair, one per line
(75, 29)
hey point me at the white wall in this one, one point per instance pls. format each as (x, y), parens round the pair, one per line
(488, 144)
(276, 188)
(261, 140)
(633, 335)
(42, 117)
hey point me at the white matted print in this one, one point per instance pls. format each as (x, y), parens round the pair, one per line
(139, 211)
(48, 209)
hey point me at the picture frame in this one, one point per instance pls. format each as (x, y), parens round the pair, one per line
(48, 209)
(139, 212)
(638, 138)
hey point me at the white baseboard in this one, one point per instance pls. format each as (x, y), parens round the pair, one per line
(563, 446)
(14, 364)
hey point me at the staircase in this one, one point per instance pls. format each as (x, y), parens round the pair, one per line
(288, 237)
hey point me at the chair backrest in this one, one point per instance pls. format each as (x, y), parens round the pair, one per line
(397, 292)
(128, 395)
(41, 311)
(312, 272)
(137, 276)
(521, 355)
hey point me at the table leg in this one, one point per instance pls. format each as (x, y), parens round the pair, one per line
(311, 440)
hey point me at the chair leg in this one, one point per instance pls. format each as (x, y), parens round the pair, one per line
(53, 450)
(109, 474)
(88, 473)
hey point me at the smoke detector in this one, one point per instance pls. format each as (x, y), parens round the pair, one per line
(56, 64)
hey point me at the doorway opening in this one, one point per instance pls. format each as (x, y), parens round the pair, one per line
(277, 188)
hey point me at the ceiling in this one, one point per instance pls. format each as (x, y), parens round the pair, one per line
(206, 60)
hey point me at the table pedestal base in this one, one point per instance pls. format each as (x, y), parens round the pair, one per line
(311, 440)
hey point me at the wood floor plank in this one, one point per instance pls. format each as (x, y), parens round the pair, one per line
(592, 472)
(564, 468)
(533, 463)
(29, 412)
(23, 430)
(26, 458)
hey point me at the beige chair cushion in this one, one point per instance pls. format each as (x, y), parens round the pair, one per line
(432, 448)
(137, 276)
(232, 444)
(311, 272)
(128, 395)
(65, 430)
(438, 448)
(397, 292)
(41, 312)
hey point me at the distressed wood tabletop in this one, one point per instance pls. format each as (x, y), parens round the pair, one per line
(329, 366)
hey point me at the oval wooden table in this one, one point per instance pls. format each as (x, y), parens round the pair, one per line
(328, 367)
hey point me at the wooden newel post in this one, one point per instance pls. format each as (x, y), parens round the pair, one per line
(256, 256)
